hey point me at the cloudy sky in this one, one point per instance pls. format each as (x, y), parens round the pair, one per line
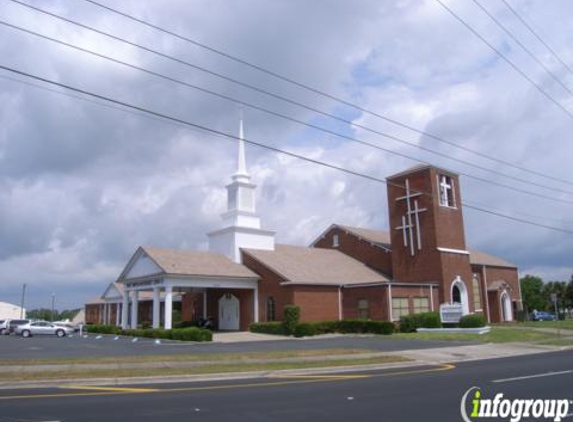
(82, 185)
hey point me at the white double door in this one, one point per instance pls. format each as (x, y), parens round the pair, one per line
(229, 312)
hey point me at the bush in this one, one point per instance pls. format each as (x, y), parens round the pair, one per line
(305, 329)
(185, 324)
(362, 326)
(291, 318)
(275, 327)
(472, 321)
(191, 334)
(103, 329)
(410, 323)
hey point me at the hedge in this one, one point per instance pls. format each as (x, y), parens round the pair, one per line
(305, 329)
(472, 321)
(410, 323)
(275, 327)
(185, 334)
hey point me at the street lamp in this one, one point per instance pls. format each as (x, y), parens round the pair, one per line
(22, 301)
(53, 303)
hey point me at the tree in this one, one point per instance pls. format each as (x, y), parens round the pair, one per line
(532, 292)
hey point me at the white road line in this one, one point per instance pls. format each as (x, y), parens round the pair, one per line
(546, 374)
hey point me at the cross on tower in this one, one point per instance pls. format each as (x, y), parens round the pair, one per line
(411, 220)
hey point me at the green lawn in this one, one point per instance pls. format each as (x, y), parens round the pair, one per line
(496, 335)
(565, 325)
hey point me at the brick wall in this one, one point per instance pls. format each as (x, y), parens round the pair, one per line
(317, 303)
(360, 249)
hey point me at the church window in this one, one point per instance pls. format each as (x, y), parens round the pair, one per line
(477, 297)
(400, 307)
(447, 193)
(363, 309)
(335, 243)
(271, 307)
(421, 304)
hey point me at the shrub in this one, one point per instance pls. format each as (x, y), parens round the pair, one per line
(191, 334)
(409, 323)
(291, 318)
(362, 326)
(103, 329)
(275, 327)
(305, 329)
(185, 324)
(472, 321)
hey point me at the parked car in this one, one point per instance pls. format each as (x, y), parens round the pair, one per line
(66, 325)
(543, 316)
(42, 328)
(4, 326)
(15, 323)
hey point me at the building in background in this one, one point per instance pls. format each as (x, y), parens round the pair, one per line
(10, 311)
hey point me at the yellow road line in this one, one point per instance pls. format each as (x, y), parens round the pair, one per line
(93, 387)
(303, 379)
(334, 377)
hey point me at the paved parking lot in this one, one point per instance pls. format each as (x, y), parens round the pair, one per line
(13, 347)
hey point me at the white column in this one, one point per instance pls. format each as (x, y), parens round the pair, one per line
(390, 302)
(156, 304)
(124, 309)
(205, 304)
(256, 304)
(117, 304)
(134, 308)
(340, 303)
(168, 307)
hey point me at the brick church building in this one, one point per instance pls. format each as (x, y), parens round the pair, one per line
(419, 263)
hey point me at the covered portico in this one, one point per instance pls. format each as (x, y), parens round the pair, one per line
(165, 272)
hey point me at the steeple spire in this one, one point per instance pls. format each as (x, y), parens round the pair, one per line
(241, 161)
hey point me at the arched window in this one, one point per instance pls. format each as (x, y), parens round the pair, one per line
(456, 294)
(271, 309)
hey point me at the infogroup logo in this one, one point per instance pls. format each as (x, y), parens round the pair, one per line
(513, 410)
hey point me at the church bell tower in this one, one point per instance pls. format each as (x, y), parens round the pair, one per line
(427, 231)
(241, 224)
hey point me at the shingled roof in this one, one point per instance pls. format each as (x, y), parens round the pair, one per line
(382, 238)
(302, 265)
(197, 263)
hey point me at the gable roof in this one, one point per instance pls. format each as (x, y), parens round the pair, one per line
(316, 266)
(191, 263)
(382, 238)
(379, 237)
(482, 258)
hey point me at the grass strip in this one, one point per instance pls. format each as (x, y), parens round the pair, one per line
(200, 370)
(191, 357)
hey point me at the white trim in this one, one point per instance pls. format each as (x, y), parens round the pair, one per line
(505, 309)
(463, 294)
(449, 250)
(168, 308)
(484, 280)
(386, 283)
(432, 298)
(390, 311)
(256, 304)
(340, 303)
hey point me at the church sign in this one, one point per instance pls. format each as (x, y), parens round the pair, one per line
(451, 313)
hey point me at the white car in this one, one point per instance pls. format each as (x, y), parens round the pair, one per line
(41, 328)
(4, 327)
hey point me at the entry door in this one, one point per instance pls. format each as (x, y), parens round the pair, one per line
(228, 312)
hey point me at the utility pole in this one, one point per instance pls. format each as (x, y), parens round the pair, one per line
(53, 303)
(22, 301)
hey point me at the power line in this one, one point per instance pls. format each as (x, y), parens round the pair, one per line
(536, 35)
(233, 138)
(281, 77)
(523, 47)
(156, 119)
(353, 139)
(504, 58)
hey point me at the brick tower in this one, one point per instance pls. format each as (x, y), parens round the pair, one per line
(427, 232)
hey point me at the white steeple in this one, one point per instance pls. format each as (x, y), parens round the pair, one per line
(241, 225)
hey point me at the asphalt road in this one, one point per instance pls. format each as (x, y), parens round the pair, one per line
(44, 347)
(411, 394)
